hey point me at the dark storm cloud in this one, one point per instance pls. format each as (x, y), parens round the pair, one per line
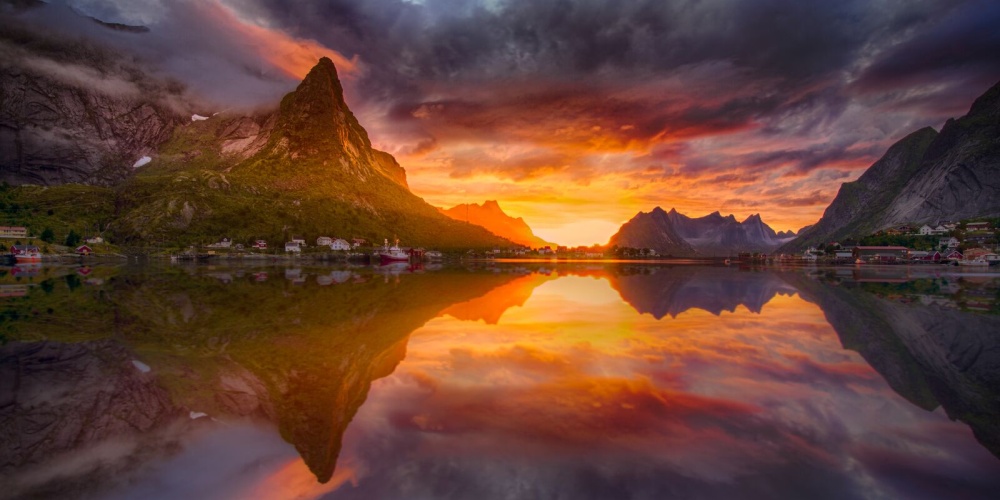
(966, 42)
(188, 41)
(564, 57)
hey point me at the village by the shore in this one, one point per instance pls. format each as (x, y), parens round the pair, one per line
(972, 243)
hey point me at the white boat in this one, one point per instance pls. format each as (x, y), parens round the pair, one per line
(389, 254)
(433, 255)
(977, 262)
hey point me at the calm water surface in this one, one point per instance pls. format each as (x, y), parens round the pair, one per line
(499, 381)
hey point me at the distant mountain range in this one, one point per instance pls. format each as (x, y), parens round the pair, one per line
(924, 178)
(490, 216)
(673, 233)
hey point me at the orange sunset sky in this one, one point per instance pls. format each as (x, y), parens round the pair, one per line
(576, 115)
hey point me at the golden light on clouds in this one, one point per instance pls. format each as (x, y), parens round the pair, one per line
(293, 56)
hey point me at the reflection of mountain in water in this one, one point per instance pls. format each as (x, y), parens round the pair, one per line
(302, 355)
(59, 398)
(663, 291)
(928, 355)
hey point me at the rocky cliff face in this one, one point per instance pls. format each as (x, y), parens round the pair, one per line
(959, 176)
(71, 112)
(924, 178)
(314, 126)
(712, 235)
(490, 216)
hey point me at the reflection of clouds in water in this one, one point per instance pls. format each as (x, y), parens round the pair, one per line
(759, 403)
(230, 463)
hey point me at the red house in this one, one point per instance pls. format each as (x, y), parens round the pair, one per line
(84, 250)
(953, 255)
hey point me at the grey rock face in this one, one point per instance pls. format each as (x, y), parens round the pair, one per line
(81, 116)
(922, 179)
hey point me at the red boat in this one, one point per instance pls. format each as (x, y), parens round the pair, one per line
(26, 253)
(389, 254)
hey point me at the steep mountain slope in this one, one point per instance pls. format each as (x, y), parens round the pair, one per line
(75, 112)
(307, 168)
(652, 230)
(673, 233)
(923, 178)
(490, 216)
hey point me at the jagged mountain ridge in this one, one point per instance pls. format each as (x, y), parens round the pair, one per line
(673, 233)
(923, 178)
(490, 216)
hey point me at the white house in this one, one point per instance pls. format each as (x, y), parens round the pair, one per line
(292, 246)
(94, 240)
(948, 242)
(223, 243)
(324, 241)
(926, 230)
(340, 244)
(299, 240)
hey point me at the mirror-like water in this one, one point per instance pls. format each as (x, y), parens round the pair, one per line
(499, 381)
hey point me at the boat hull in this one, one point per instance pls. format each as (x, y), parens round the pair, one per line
(388, 258)
(24, 259)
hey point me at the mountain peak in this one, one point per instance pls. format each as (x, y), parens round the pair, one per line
(490, 216)
(315, 118)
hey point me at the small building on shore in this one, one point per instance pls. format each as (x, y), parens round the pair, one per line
(13, 232)
(340, 244)
(881, 254)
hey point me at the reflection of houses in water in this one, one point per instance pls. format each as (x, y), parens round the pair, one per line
(296, 276)
(334, 277)
(225, 278)
(26, 270)
(936, 300)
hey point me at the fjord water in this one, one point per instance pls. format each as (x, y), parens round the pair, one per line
(499, 381)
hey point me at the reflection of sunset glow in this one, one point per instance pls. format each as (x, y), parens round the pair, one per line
(575, 374)
(491, 306)
(294, 480)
